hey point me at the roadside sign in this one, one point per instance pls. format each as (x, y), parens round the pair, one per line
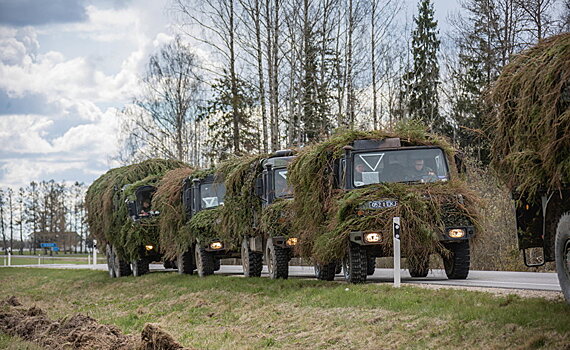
(48, 245)
(55, 249)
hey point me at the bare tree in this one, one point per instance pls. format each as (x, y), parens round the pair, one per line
(159, 121)
(539, 18)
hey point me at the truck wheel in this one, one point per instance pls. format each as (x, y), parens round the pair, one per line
(457, 262)
(371, 265)
(562, 254)
(252, 262)
(420, 267)
(139, 267)
(121, 267)
(204, 262)
(355, 264)
(325, 272)
(184, 263)
(277, 260)
(110, 261)
(217, 264)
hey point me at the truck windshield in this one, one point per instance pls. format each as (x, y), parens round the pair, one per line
(410, 165)
(282, 187)
(212, 195)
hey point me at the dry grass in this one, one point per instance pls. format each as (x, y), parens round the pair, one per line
(224, 312)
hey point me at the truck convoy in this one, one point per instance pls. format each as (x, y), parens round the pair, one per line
(331, 203)
(530, 102)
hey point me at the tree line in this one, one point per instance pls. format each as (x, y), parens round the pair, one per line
(43, 210)
(283, 74)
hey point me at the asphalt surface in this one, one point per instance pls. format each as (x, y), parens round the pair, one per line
(487, 279)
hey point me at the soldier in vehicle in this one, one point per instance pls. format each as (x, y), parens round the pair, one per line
(359, 169)
(421, 172)
(145, 208)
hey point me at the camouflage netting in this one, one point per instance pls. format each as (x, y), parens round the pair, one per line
(531, 121)
(241, 205)
(107, 213)
(277, 219)
(168, 201)
(325, 216)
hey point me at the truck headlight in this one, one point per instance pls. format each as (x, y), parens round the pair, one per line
(149, 247)
(456, 233)
(217, 245)
(292, 241)
(372, 237)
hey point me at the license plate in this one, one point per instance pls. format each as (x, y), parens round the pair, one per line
(382, 204)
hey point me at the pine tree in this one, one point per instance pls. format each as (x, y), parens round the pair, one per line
(228, 115)
(422, 82)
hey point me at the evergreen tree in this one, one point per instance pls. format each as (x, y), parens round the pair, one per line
(422, 81)
(479, 65)
(223, 117)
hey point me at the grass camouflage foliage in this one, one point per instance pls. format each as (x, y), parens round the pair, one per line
(107, 213)
(241, 205)
(277, 218)
(168, 201)
(324, 216)
(531, 120)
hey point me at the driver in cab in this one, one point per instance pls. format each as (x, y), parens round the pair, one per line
(422, 172)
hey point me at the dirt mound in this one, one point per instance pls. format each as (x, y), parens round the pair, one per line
(76, 332)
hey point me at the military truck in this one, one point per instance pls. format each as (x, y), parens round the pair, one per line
(349, 188)
(270, 236)
(201, 198)
(121, 218)
(368, 162)
(530, 150)
(141, 213)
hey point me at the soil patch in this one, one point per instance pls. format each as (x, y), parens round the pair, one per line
(76, 332)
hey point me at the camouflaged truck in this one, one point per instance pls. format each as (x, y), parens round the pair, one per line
(198, 195)
(367, 162)
(271, 186)
(138, 204)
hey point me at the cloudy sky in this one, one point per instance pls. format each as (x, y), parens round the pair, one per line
(66, 66)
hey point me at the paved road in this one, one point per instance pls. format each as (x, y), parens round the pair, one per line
(488, 279)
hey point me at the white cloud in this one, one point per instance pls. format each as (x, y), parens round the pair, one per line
(24, 134)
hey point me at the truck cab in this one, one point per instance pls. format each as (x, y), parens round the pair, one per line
(140, 211)
(369, 162)
(139, 204)
(199, 194)
(270, 186)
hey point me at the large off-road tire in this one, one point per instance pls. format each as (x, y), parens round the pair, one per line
(371, 266)
(204, 261)
(185, 262)
(140, 267)
(562, 254)
(457, 262)
(252, 262)
(419, 267)
(121, 267)
(277, 260)
(169, 264)
(355, 263)
(325, 272)
(110, 261)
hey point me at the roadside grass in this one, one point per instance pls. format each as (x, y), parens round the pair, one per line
(11, 343)
(50, 260)
(223, 312)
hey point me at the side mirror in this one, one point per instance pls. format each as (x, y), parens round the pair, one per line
(460, 163)
(258, 187)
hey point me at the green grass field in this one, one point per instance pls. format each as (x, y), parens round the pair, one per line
(224, 312)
